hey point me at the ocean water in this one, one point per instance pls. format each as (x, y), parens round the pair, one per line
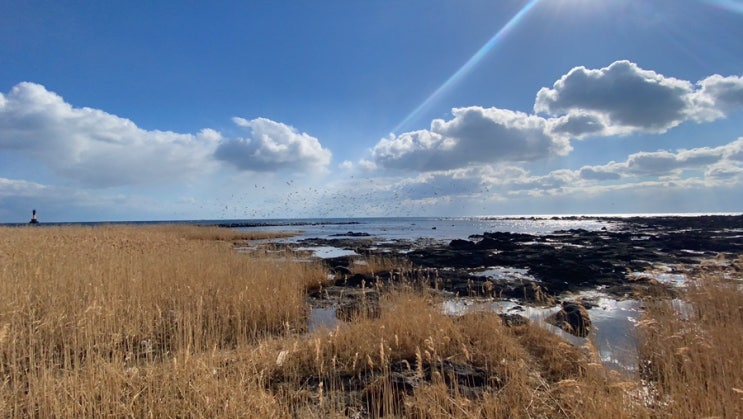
(436, 228)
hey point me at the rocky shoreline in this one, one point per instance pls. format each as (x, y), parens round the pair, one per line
(535, 269)
(516, 275)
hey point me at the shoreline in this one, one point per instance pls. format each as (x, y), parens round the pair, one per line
(279, 222)
(564, 260)
(643, 258)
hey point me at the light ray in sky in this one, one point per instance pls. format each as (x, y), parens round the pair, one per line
(469, 65)
(730, 5)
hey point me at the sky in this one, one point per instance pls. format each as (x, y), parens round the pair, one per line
(193, 110)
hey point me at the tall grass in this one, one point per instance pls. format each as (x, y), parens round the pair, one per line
(79, 302)
(692, 351)
(172, 322)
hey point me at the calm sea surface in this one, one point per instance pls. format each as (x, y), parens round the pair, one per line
(415, 228)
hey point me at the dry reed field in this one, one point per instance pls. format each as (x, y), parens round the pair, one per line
(170, 321)
(692, 352)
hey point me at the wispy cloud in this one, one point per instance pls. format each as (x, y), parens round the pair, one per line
(678, 170)
(665, 163)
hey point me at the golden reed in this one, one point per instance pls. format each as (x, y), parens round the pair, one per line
(171, 321)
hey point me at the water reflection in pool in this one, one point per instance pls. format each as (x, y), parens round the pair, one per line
(613, 325)
(612, 333)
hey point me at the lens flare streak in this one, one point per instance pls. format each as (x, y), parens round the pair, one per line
(469, 65)
(735, 6)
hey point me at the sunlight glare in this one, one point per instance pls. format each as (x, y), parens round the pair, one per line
(467, 66)
(735, 6)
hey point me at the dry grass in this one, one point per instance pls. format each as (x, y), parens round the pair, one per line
(78, 302)
(196, 232)
(415, 361)
(171, 322)
(373, 265)
(692, 352)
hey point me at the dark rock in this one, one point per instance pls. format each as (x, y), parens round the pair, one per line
(350, 234)
(355, 280)
(460, 244)
(572, 318)
(341, 270)
(563, 261)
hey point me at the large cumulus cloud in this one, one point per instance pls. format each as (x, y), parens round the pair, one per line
(93, 148)
(619, 99)
(719, 95)
(273, 146)
(628, 96)
(624, 98)
(475, 135)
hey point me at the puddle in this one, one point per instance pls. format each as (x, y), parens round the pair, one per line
(612, 332)
(465, 305)
(684, 309)
(322, 318)
(664, 275)
(678, 280)
(327, 252)
(506, 274)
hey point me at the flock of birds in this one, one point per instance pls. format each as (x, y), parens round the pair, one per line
(357, 198)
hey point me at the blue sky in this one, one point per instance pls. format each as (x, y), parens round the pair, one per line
(149, 110)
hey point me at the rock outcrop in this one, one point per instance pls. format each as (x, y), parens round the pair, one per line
(572, 318)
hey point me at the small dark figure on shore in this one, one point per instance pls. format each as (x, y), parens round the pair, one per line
(34, 220)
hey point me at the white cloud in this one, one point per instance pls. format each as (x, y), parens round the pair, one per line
(599, 173)
(17, 188)
(666, 163)
(623, 96)
(623, 99)
(724, 170)
(367, 165)
(475, 135)
(719, 96)
(95, 148)
(678, 170)
(734, 150)
(579, 124)
(620, 99)
(273, 146)
(59, 203)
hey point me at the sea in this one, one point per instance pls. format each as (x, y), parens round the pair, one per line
(440, 228)
(412, 228)
(408, 228)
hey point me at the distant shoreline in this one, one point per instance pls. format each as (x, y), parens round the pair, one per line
(293, 222)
